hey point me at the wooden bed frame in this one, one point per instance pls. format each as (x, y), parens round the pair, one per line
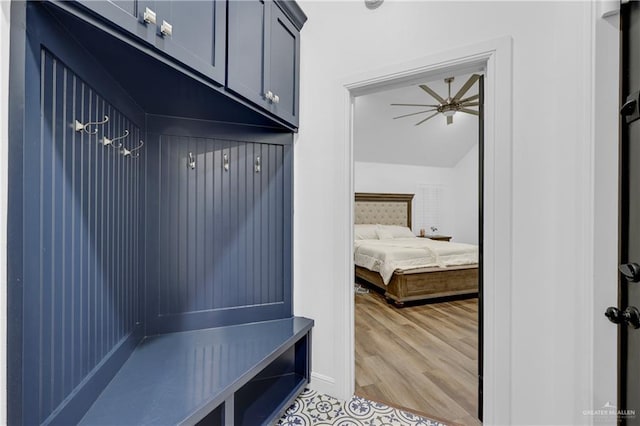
(412, 285)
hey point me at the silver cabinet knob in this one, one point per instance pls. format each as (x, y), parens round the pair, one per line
(166, 29)
(272, 97)
(149, 16)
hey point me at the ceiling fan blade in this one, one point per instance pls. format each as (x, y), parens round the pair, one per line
(470, 98)
(431, 116)
(469, 111)
(450, 119)
(466, 86)
(422, 105)
(413, 113)
(468, 104)
(432, 93)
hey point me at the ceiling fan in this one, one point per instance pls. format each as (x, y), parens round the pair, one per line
(449, 106)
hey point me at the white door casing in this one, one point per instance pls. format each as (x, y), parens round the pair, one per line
(494, 58)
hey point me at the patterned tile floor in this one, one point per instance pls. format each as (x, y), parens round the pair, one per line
(313, 408)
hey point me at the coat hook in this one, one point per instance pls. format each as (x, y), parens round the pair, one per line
(191, 161)
(78, 126)
(130, 152)
(258, 165)
(106, 141)
(225, 162)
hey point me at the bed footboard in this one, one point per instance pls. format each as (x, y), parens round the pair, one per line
(407, 286)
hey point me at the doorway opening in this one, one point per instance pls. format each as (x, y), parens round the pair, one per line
(495, 58)
(418, 242)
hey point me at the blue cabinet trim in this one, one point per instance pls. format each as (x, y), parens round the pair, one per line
(159, 125)
(293, 11)
(20, 71)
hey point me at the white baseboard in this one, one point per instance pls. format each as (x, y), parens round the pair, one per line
(324, 384)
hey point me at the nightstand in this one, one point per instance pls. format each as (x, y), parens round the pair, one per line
(437, 237)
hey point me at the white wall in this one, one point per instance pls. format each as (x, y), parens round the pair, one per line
(459, 208)
(396, 178)
(4, 153)
(552, 328)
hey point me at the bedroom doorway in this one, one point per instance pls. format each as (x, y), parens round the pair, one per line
(418, 336)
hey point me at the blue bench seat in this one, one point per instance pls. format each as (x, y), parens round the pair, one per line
(241, 374)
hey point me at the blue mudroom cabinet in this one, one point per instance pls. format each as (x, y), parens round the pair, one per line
(268, 76)
(150, 216)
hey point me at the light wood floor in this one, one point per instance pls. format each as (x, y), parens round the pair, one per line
(423, 357)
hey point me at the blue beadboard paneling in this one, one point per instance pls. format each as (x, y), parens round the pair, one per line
(218, 236)
(206, 216)
(80, 241)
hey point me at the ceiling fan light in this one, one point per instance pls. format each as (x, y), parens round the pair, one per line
(449, 112)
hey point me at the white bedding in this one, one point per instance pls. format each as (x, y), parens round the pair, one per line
(387, 256)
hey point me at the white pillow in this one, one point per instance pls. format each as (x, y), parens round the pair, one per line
(393, 231)
(384, 233)
(365, 232)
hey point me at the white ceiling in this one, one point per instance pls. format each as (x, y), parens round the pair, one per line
(379, 138)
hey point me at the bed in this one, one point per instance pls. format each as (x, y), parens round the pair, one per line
(405, 267)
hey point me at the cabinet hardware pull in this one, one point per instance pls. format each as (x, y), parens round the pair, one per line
(166, 29)
(276, 99)
(269, 95)
(149, 16)
(258, 164)
(225, 162)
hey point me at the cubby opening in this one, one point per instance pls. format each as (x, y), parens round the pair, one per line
(274, 388)
(214, 418)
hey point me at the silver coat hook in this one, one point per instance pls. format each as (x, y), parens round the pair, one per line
(106, 141)
(131, 152)
(191, 162)
(78, 126)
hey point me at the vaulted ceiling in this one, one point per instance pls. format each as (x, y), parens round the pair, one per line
(381, 139)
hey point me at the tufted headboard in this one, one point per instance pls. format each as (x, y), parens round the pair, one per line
(383, 209)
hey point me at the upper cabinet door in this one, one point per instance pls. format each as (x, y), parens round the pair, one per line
(246, 41)
(190, 32)
(129, 15)
(193, 32)
(263, 59)
(281, 77)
